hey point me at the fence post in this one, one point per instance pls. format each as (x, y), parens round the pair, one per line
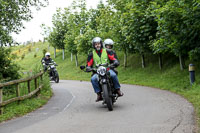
(17, 91)
(36, 86)
(38, 82)
(41, 77)
(29, 86)
(1, 100)
(35, 83)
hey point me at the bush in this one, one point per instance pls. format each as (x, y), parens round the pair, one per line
(35, 55)
(44, 51)
(8, 69)
(22, 57)
(29, 48)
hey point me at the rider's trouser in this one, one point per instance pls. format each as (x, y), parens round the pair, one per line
(95, 81)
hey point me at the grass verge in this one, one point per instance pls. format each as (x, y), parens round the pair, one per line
(19, 109)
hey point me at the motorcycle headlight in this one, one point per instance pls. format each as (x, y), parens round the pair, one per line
(101, 70)
(52, 66)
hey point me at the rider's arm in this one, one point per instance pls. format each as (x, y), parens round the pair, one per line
(43, 61)
(113, 58)
(90, 60)
(52, 61)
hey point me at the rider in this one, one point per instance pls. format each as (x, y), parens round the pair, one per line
(46, 60)
(102, 56)
(109, 44)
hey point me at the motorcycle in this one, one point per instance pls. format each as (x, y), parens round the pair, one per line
(53, 73)
(108, 92)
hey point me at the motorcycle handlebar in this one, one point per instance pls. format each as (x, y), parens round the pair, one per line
(95, 69)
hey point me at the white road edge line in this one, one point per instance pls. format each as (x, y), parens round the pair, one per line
(67, 106)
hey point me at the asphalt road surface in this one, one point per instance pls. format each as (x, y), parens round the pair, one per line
(73, 109)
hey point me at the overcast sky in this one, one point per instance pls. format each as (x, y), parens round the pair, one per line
(33, 30)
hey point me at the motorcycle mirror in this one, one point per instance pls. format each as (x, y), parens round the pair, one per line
(82, 67)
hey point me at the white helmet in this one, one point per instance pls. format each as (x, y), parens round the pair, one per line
(108, 42)
(47, 54)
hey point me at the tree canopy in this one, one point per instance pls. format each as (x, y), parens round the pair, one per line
(149, 26)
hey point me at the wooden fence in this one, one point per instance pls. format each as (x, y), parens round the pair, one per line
(37, 87)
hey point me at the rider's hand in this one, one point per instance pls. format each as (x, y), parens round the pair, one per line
(88, 69)
(115, 64)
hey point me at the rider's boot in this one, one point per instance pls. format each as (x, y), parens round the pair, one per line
(99, 97)
(120, 93)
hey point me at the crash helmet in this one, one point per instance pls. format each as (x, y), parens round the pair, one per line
(108, 42)
(97, 40)
(47, 54)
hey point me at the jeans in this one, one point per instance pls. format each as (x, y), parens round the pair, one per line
(95, 82)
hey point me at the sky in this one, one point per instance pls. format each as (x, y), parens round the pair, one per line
(44, 16)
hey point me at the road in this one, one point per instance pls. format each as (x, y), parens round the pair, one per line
(72, 109)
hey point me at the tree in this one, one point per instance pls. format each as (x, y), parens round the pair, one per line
(12, 13)
(77, 22)
(106, 22)
(118, 24)
(83, 41)
(60, 28)
(176, 31)
(140, 27)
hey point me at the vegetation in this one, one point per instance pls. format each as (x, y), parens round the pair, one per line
(18, 109)
(8, 69)
(28, 105)
(141, 27)
(12, 13)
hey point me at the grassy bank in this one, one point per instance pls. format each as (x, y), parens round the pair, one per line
(19, 109)
(169, 78)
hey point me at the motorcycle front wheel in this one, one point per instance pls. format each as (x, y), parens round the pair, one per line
(108, 98)
(56, 78)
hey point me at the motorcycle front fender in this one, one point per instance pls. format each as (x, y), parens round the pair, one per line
(104, 81)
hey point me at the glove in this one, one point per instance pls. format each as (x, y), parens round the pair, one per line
(88, 69)
(114, 64)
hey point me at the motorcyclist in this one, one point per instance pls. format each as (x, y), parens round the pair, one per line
(46, 60)
(109, 44)
(102, 56)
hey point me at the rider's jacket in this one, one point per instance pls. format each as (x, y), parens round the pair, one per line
(46, 61)
(101, 57)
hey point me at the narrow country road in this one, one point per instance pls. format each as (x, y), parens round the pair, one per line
(72, 110)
